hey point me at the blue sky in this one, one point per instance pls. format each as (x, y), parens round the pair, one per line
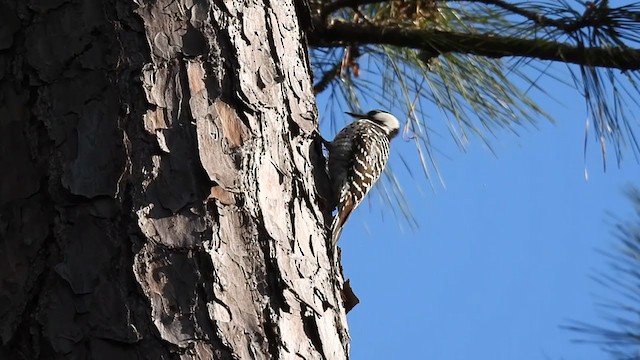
(503, 255)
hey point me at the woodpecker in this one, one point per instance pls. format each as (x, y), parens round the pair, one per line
(357, 157)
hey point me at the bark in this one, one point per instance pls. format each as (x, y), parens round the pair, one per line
(160, 184)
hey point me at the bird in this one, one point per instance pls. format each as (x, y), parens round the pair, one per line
(357, 157)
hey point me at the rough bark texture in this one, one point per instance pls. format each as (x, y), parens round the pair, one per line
(158, 195)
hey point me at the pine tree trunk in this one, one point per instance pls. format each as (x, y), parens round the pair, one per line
(159, 184)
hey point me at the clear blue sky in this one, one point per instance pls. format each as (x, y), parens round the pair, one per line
(503, 255)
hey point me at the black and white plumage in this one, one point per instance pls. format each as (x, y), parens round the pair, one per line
(357, 157)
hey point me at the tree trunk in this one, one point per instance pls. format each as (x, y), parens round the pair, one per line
(160, 184)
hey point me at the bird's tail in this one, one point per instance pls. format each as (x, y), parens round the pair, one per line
(344, 210)
(336, 230)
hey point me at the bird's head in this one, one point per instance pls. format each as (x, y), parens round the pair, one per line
(385, 120)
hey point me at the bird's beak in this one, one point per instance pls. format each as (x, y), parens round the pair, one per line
(357, 116)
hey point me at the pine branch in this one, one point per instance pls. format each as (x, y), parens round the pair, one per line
(490, 45)
(535, 17)
(595, 15)
(326, 79)
(566, 25)
(341, 4)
